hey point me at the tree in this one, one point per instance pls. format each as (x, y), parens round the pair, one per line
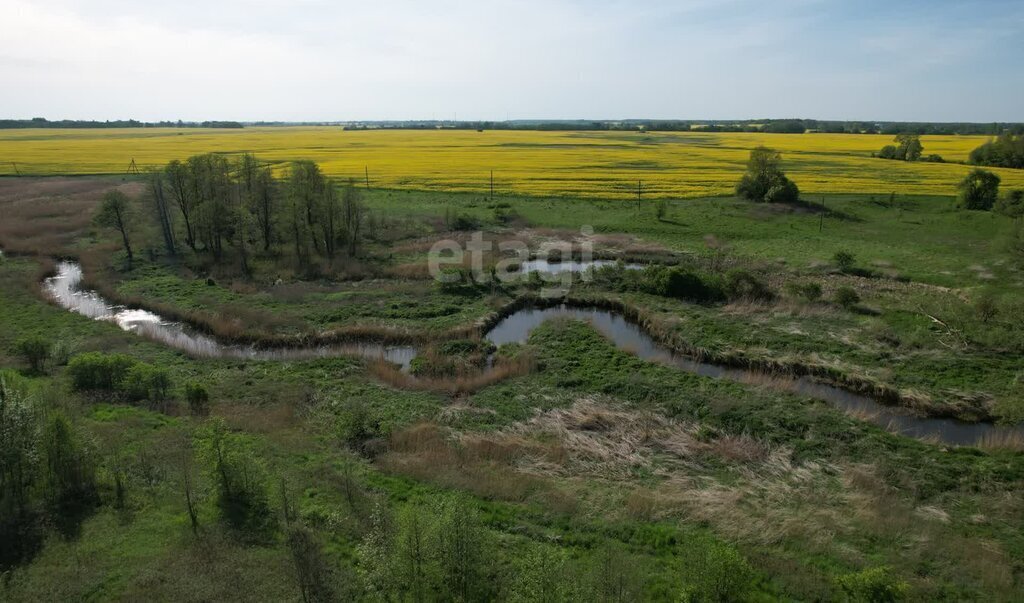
(909, 147)
(163, 211)
(312, 571)
(462, 552)
(198, 399)
(352, 216)
(241, 490)
(764, 179)
(978, 190)
(1005, 151)
(183, 191)
(115, 213)
(19, 472)
(70, 478)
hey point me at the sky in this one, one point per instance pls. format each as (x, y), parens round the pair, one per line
(313, 60)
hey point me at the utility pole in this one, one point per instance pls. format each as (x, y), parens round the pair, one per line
(367, 170)
(132, 168)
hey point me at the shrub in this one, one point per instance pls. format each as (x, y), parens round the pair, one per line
(356, 425)
(97, 371)
(661, 209)
(844, 260)
(147, 382)
(807, 291)
(785, 191)
(679, 283)
(36, 351)
(846, 297)
(978, 190)
(740, 284)
(198, 399)
(1011, 205)
(876, 585)
(720, 574)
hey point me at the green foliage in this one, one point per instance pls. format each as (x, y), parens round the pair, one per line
(1005, 151)
(35, 350)
(661, 209)
(356, 423)
(719, 573)
(20, 469)
(544, 574)
(978, 190)
(198, 399)
(70, 473)
(679, 283)
(1011, 204)
(742, 285)
(240, 479)
(907, 148)
(98, 371)
(844, 260)
(846, 297)
(764, 179)
(463, 552)
(809, 292)
(874, 585)
(313, 572)
(147, 382)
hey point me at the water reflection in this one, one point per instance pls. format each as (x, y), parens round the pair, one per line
(629, 336)
(549, 267)
(65, 287)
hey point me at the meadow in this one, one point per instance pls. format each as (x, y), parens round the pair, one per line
(569, 164)
(581, 473)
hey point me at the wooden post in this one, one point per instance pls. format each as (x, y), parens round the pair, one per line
(367, 169)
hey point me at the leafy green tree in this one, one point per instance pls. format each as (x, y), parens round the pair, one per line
(720, 573)
(543, 575)
(462, 552)
(70, 475)
(241, 487)
(312, 570)
(764, 179)
(20, 465)
(115, 212)
(978, 190)
(909, 147)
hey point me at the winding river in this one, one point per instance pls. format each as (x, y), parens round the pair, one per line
(65, 288)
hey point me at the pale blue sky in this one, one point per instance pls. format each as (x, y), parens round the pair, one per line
(408, 59)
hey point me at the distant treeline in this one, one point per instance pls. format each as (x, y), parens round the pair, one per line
(42, 122)
(781, 126)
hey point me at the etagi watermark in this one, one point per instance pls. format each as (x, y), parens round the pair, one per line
(558, 263)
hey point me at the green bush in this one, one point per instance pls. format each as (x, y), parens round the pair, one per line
(680, 283)
(844, 260)
(875, 585)
(846, 297)
(978, 190)
(807, 291)
(147, 382)
(198, 399)
(741, 284)
(99, 372)
(36, 351)
(1011, 205)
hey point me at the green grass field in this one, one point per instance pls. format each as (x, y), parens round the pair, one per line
(594, 475)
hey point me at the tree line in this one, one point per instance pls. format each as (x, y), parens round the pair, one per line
(228, 209)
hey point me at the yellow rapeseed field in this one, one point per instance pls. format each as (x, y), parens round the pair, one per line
(590, 164)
